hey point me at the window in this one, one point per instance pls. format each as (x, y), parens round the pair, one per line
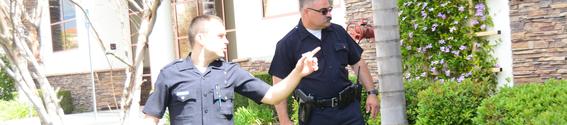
(63, 25)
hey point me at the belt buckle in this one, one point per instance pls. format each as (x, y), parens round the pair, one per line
(334, 102)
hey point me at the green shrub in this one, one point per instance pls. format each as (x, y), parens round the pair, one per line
(66, 101)
(13, 109)
(412, 88)
(526, 104)
(450, 102)
(7, 86)
(254, 114)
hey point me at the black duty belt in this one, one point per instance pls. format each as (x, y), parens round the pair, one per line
(332, 102)
(344, 98)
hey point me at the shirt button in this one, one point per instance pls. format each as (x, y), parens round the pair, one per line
(206, 111)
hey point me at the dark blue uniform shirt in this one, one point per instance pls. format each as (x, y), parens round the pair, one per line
(338, 50)
(195, 98)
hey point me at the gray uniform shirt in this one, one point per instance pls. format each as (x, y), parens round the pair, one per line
(195, 98)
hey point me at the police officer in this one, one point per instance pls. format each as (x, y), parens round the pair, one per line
(200, 89)
(324, 86)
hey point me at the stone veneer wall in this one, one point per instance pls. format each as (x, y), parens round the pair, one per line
(81, 90)
(539, 39)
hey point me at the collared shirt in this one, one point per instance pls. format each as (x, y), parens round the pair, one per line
(195, 98)
(338, 50)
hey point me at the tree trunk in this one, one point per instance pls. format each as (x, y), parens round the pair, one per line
(393, 104)
(19, 39)
(130, 103)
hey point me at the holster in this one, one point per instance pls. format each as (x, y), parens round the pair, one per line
(349, 94)
(305, 105)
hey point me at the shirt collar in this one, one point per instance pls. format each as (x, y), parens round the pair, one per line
(187, 64)
(303, 33)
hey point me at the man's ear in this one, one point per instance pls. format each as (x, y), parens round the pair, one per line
(303, 11)
(199, 37)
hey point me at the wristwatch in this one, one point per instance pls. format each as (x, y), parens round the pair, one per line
(372, 92)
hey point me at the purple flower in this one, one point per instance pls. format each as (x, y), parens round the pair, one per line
(441, 81)
(462, 47)
(423, 74)
(442, 61)
(433, 70)
(461, 78)
(452, 29)
(497, 66)
(468, 74)
(474, 22)
(461, 8)
(441, 15)
(445, 49)
(479, 9)
(423, 14)
(483, 18)
(434, 27)
(483, 26)
(448, 73)
(441, 41)
(469, 57)
(401, 42)
(434, 63)
(410, 35)
(456, 52)
(424, 5)
(407, 76)
(429, 46)
(415, 26)
(479, 6)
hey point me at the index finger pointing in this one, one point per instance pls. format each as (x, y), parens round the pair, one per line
(312, 52)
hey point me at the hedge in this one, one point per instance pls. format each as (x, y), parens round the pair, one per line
(533, 103)
(450, 102)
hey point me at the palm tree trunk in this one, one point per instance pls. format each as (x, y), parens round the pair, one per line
(393, 104)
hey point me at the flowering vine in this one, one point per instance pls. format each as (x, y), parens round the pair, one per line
(438, 41)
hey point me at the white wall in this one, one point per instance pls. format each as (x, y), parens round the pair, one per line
(500, 12)
(160, 44)
(113, 27)
(257, 36)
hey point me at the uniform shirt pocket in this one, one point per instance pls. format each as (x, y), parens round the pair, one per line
(223, 96)
(341, 50)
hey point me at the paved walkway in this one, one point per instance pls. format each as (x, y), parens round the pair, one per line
(109, 117)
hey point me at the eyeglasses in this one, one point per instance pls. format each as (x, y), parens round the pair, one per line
(323, 11)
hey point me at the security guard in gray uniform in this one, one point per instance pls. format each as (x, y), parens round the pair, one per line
(200, 89)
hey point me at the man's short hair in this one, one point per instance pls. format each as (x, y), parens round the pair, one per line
(303, 3)
(197, 26)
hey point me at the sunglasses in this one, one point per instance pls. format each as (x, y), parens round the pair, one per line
(323, 11)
